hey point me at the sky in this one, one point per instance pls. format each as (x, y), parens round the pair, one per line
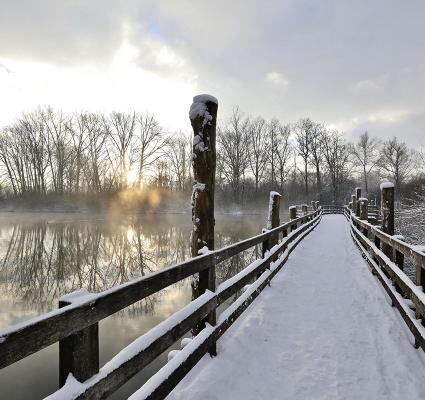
(354, 65)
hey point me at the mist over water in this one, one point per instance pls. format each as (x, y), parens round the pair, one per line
(45, 256)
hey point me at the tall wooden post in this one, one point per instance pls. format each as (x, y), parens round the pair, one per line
(293, 215)
(387, 210)
(358, 196)
(364, 212)
(363, 208)
(79, 352)
(354, 203)
(317, 204)
(304, 209)
(313, 205)
(273, 221)
(203, 117)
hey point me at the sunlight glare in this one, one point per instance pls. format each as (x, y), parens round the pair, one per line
(130, 234)
(132, 177)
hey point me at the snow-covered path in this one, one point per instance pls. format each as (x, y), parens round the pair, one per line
(323, 330)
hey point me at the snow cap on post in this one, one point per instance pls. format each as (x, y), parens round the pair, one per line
(386, 185)
(273, 220)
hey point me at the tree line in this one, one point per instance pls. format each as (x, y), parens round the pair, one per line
(49, 151)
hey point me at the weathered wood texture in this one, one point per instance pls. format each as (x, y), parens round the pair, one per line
(180, 371)
(332, 209)
(363, 209)
(384, 268)
(79, 352)
(358, 195)
(273, 220)
(293, 217)
(27, 338)
(103, 385)
(387, 210)
(204, 165)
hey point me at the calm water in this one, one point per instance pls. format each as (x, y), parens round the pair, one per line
(43, 257)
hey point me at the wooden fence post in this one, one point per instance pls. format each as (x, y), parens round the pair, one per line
(203, 118)
(313, 205)
(354, 203)
(273, 221)
(364, 212)
(387, 210)
(399, 260)
(293, 215)
(358, 196)
(317, 204)
(79, 352)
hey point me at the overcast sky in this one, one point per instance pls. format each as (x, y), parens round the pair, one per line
(354, 65)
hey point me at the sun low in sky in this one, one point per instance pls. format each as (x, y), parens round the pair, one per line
(353, 65)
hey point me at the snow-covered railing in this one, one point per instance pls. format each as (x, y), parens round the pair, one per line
(332, 209)
(385, 254)
(75, 324)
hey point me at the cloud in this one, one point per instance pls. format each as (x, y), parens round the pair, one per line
(5, 69)
(277, 78)
(351, 61)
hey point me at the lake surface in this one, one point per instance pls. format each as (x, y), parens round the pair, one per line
(45, 256)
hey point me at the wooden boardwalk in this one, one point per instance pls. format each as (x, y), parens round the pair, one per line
(325, 329)
(343, 333)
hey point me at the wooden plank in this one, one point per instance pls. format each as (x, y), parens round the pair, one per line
(106, 383)
(397, 244)
(24, 339)
(229, 291)
(79, 352)
(178, 373)
(412, 324)
(404, 287)
(109, 383)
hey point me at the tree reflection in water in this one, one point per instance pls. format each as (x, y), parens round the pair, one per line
(43, 259)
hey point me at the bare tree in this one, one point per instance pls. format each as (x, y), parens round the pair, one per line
(178, 152)
(316, 153)
(303, 136)
(121, 128)
(366, 152)
(283, 153)
(234, 151)
(150, 138)
(57, 145)
(396, 160)
(337, 154)
(257, 134)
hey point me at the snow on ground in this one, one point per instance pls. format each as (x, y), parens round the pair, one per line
(323, 330)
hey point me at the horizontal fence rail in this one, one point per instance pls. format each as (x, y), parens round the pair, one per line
(385, 255)
(82, 313)
(333, 209)
(28, 337)
(149, 346)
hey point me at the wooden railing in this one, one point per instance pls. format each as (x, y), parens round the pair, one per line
(385, 255)
(75, 324)
(332, 209)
